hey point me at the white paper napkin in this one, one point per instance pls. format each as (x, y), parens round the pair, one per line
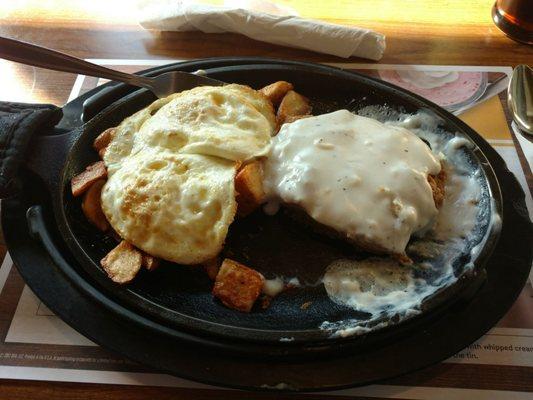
(254, 22)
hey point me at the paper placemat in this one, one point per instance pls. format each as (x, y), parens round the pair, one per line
(35, 344)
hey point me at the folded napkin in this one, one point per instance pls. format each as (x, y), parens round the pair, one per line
(254, 22)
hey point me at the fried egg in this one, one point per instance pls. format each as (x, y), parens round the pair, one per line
(171, 169)
(233, 122)
(122, 143)
(174, 206)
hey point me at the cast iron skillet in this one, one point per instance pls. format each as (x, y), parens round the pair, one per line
(178, 297)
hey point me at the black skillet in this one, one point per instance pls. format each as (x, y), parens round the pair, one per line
(175, 301)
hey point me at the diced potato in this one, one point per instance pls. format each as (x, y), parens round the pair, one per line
(212, 267)
(237, 286)
(101, 142)
(122, 263)
(275, 91)
(82, 182)
(149, 262)
(249, 188)
(92, 208)
(293, 104)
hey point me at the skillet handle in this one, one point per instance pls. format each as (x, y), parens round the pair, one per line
(102, 99)
(18, 123)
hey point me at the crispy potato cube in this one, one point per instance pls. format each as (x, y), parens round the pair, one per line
(103, 139)
(122, 263)
(92, 208)
(237, 286)
(82, 182)
(293, 104)
(249, 188)
(276, 91)
(212, 267)
(149, 262)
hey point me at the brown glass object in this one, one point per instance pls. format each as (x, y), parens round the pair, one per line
(515, 19)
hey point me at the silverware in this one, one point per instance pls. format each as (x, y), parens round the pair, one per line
(161, 85)
(520, 98)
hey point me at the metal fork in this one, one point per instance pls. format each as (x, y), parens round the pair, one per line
(162, 85)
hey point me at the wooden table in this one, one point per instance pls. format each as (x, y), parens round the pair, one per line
(443, 32)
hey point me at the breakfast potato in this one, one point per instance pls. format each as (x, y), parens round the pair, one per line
(237, 286)
(212, 267)
(82, 182)
(122, 263)
(92, 208)
(103, 140)
(276, 91)
(249, 188)
(293, 104)
(149, 262)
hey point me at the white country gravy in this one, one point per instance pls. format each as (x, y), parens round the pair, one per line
(355, 175)
(370, 284)
(381, 287)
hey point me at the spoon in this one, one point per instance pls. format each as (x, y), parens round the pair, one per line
(162, 85)
(520, 98)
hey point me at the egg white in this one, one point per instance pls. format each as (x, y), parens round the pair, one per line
(171, 169)
(216, 121)
(174, 206)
